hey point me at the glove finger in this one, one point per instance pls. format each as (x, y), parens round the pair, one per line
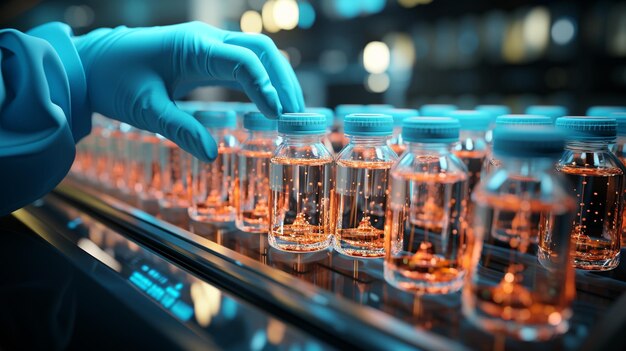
(161, 115)
(227, 62)
(280, 71)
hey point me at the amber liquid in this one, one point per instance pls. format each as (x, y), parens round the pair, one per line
(149, 184)
(254, 191)
(426, 230)
(214, 188)
(509, 291)
(300, 215)
(623, 160)
(398, 148)
(360, 198)
(597, 227)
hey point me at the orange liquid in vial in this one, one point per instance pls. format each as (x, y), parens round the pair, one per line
(300, 204)
(360, 200)
(254, 188)
(597, 226)
(474, 161)
(214, 188)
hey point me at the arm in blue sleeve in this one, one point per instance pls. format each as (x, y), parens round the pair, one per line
(43, 112)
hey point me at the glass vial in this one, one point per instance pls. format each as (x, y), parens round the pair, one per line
(254, 173)
(214, 185)
(472, 148)
(149, 184)
(425, 231)
(511, 291)
(362, 173)
(176, 182)
(504, 121)
(396, 142)
(619, 148)
(494, 111)
(597, 178)
(551, 111)
(300, 172)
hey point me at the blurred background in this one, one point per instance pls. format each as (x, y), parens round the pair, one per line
(401, 52)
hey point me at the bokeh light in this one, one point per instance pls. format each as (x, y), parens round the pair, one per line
(251, 22)
(376, 57)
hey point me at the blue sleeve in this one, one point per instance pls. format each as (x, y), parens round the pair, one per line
(43, 112)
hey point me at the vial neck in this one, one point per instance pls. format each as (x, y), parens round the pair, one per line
(430, 148)
(368, 140)
(301, 139)
(263, 134)
(588, 146)
(472, 134)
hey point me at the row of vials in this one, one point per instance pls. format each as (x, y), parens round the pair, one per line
(500, 206)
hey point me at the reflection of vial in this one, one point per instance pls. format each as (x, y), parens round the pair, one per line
(254, 173)
(494, 111)
(491, 162)
(399, 115)
(361, 185)
(619, 148)
(425, 234)
(551, 111)
(436, 110)
(330, 121)
(512, 291)
(472, 148)
(214, 185)
(597, 178)
(300, 172)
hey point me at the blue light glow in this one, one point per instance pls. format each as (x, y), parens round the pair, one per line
(73, 224)
(307, 15)
(182, 310)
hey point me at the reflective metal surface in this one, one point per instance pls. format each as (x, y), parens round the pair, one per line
(327, 278)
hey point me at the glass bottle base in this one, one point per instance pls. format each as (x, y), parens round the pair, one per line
(597, 265)
(251, 226)
(295, 244)
(404, 279)
(517, 330)
(347, 249)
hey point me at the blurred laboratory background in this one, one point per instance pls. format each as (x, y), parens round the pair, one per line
(400, 52)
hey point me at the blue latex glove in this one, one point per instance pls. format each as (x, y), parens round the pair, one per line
(134, 74)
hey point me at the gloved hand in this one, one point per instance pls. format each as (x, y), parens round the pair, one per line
(134, 74)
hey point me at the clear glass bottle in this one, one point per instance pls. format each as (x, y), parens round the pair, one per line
(254, 173)
(491, 162)
(551, 111)
(396, 141)
(362, 170)
(132, 160)
(472, 148)
(149, 184)
(619, 149)
(214, 188)
(101, 141)
(597, 178)
(176, 182)
(300, 181)
(425, 229)
(437, 110)
(494, 111)
(511, 291)
(114, 175)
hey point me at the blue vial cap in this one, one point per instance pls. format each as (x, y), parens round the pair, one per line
(328, 113)
(588, 128)
(436, 110)
(472, 119)
(524, 142)
(604, 111)
(620, 117)
(258, 122)
(216, 118)
(346, 109)
(518, 120)
(552, 111)
(400, 114)
(494, 110)
(302, 123)
(431, 130)
(368, 124)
